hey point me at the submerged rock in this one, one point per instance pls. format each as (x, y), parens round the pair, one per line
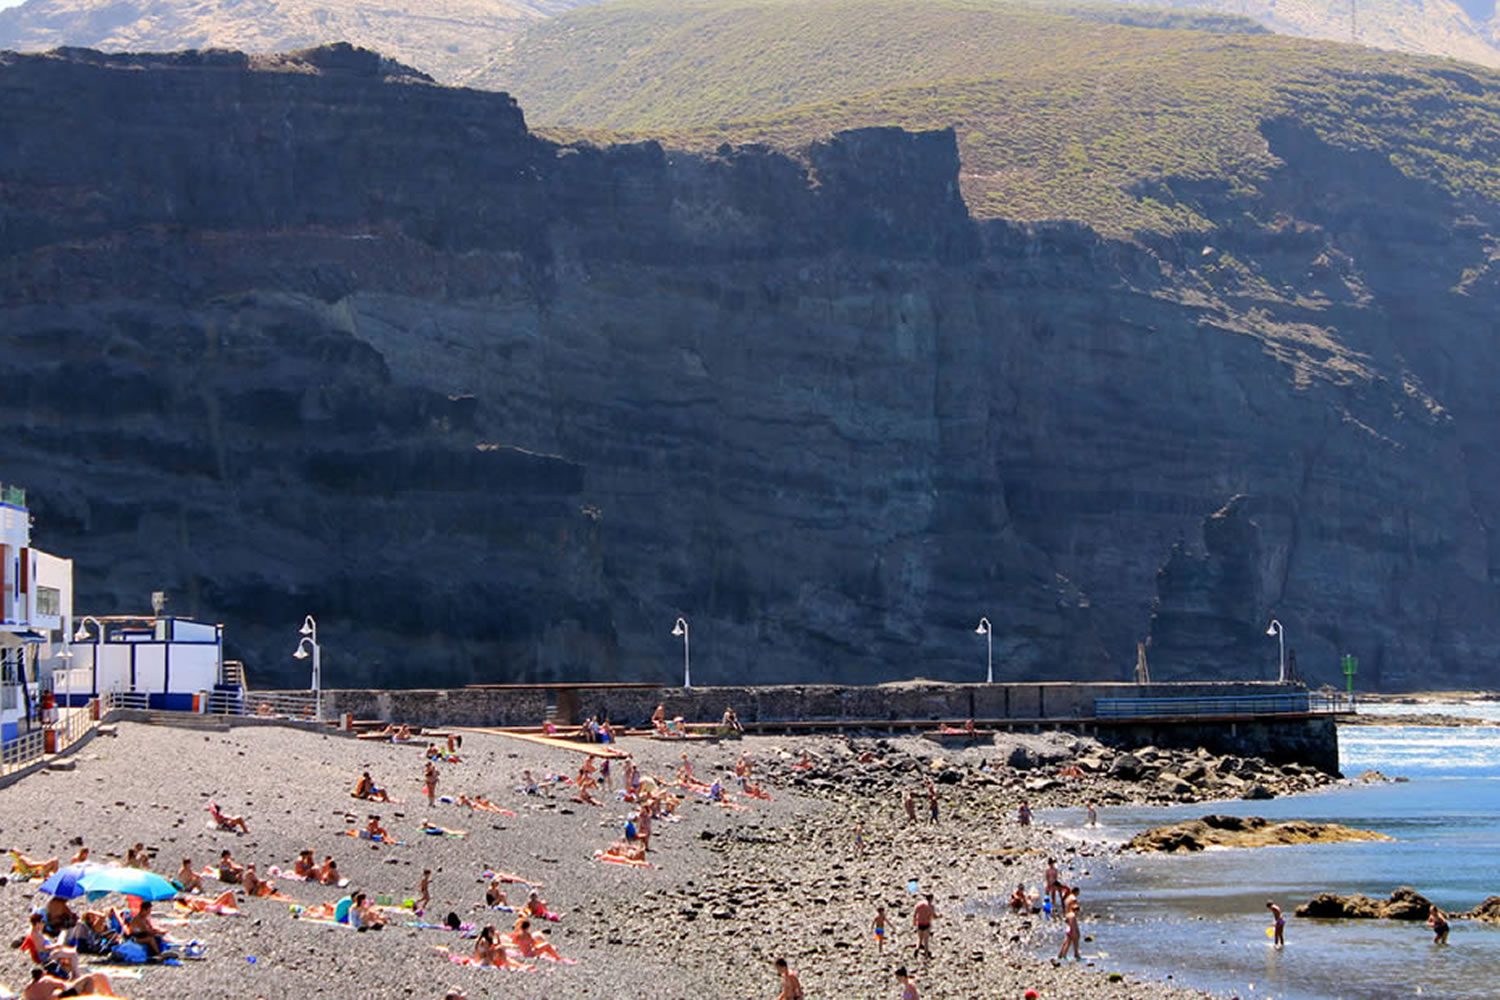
(1243, 831)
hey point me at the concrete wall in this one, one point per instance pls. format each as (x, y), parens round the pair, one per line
(767, 703)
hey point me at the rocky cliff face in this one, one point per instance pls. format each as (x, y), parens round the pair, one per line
(313, 335)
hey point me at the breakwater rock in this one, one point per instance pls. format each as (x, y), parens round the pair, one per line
(1487, 911)
(1243, 831)
(317, 335)
(1403, 904)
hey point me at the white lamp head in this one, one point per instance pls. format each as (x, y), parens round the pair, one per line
(81, 634)
(301, 653)
(984, 627)
(677, 629)
(308, 626)
(1273, 628)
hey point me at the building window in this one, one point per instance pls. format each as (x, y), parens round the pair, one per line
(48, 601)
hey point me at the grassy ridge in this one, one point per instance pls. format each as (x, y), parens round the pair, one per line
(1057, 116)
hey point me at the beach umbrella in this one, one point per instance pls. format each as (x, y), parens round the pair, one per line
(64, 881)
(127, 882)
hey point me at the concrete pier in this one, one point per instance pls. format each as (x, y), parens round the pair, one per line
(1279, 722)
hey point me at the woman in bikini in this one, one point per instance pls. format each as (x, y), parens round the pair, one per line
(533, 945)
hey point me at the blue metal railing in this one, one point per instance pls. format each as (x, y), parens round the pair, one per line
(1292, 703)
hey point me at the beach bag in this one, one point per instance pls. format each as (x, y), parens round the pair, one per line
(341, 910)
(129, 952)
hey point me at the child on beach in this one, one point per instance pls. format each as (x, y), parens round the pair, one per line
(1023, 814)
(878, 927)
(1278, 929)
(424, 890)
(430, 782)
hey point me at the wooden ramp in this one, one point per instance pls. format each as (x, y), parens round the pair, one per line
(592, 749)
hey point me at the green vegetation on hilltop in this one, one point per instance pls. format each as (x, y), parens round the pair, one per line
(1057, 116)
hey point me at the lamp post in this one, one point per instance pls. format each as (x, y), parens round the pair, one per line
(308, 641)
(1275, 629)
(989, 649)
(80, 636)
(681, 628)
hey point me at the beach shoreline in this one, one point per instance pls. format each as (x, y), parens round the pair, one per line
(733, 888)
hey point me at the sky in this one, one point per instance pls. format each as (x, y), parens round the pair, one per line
(10, 3)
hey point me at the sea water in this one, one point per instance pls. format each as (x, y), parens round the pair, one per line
(1202, 920)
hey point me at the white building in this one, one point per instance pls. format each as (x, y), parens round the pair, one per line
(36, 615)
(168, 660)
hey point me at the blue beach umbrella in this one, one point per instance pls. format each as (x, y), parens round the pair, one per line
(64, 882)
(127, 882)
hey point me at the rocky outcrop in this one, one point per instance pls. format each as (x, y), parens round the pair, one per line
(1403, 904)
(318, 336)
(1243, 831)
(1487, 911)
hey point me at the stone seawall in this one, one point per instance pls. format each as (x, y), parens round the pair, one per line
(1312, 740)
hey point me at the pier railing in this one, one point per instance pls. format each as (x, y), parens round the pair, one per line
(1293, 703)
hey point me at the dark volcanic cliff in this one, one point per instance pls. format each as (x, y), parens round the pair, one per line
(316, 336)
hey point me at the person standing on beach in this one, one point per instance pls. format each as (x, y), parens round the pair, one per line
(932, 803)
(878, 926)
(1050, 883)
(922, 917)
(909, 804)
(1074, 935)
(430, 781)
(1438, 921)
(1278, 930)
(908, 988)
(424, 890)
(1023, 815)
(791, 986)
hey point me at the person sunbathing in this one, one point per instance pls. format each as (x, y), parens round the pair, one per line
(80, 857)
(528, 784)
(629, 849)
(365, 788)
(659, 719)
(583, 796)
(92, 935)
(230, 870)
(488, 950)
(533, 945)
(44, 986)
(805, 764)
(495, 896)
(28, 867)
(374, 831)
(188, 879)
(224, 821)
(55, 958)
(222, 904)
(403, 734)
(58, 916)
(1019, 901)
(144, 932)
(305, 867)
(255, 885)
(363, 915)
(482, 803)
(328, 874)
(434, 830)
(536, 906)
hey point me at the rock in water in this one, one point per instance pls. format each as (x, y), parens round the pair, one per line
(1243, 831)
(1403, 904)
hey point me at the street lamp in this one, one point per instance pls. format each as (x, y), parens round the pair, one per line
(309, 640)
(989, 648)
(82, 635)
(681, 628)
(1280, 633)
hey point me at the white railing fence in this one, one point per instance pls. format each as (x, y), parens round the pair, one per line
(21, 752)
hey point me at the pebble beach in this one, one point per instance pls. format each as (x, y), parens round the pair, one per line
(729, 890)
